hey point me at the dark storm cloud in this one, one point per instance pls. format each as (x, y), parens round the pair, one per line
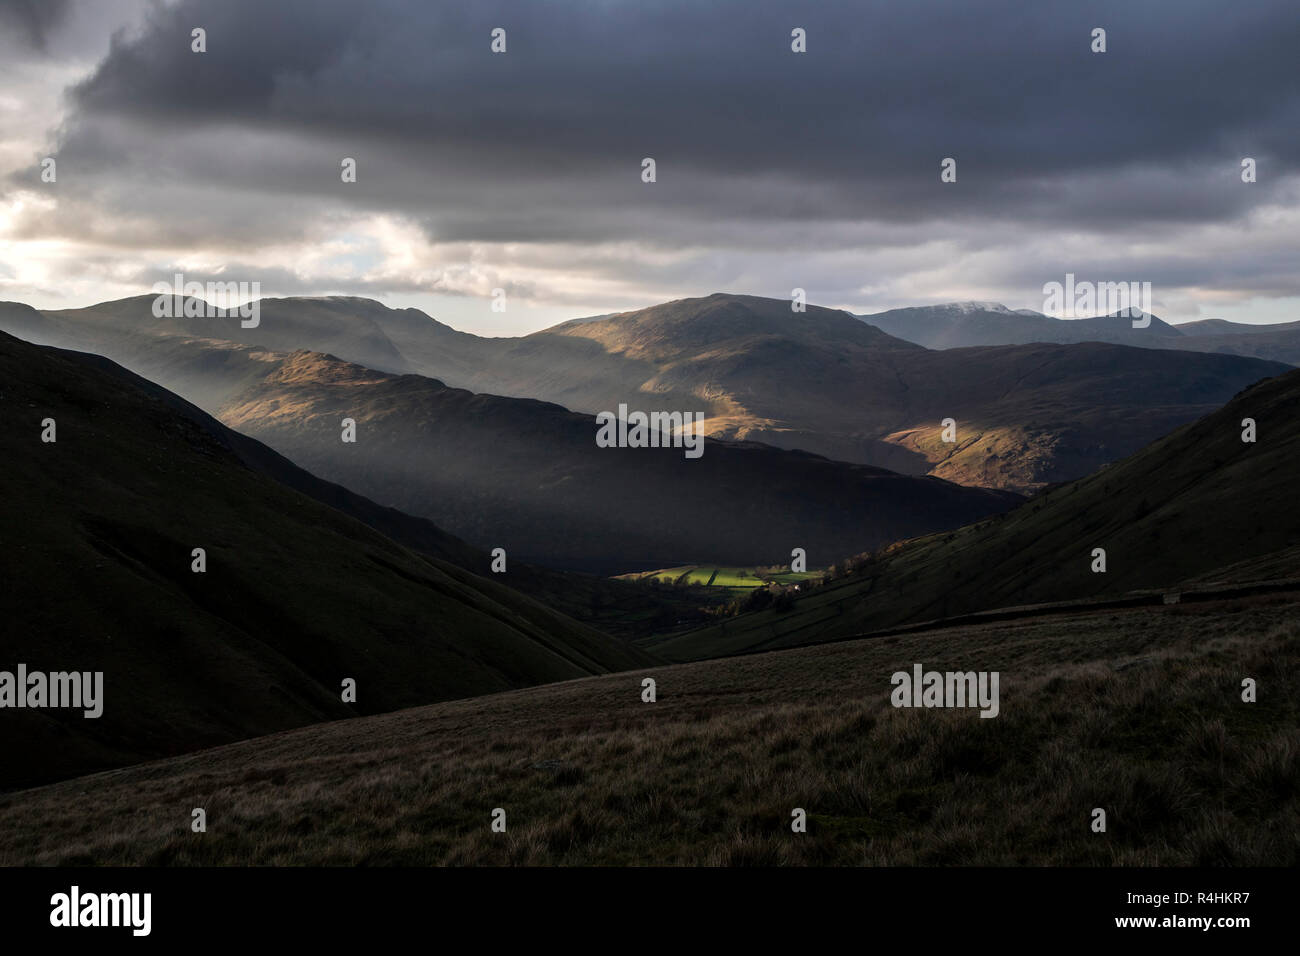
(885, 90)
(32, 19)
(757, 147)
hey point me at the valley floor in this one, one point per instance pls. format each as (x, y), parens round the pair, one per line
(1135, 711)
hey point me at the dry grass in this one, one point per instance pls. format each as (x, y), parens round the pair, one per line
(1137, 711)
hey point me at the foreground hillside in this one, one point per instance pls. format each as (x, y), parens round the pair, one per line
(821, 380)
(1136, 712)
(1188, 506)
(100, 526)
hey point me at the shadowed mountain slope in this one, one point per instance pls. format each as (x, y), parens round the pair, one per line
(615, 607)
(99, 531)
(529, 477)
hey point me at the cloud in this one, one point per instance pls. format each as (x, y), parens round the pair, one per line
(32, 19)
(821, 169)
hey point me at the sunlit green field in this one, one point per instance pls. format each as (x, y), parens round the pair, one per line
(716, 576)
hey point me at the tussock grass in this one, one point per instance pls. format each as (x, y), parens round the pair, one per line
(1137, 712)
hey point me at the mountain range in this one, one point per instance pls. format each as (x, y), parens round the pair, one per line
(820, 381)
(967, 324)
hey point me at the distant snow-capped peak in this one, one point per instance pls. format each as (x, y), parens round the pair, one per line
(967, 307)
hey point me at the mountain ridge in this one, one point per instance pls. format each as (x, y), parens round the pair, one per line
(822, 381)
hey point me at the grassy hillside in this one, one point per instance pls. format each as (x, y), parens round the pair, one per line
(1137, 712)
(1194, 502)
(297, 596)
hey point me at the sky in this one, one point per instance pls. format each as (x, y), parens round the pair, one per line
(521, 171)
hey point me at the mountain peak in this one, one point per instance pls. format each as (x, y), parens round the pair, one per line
(724, 320)
(974, 306)
(1154, 322)
(323, 368)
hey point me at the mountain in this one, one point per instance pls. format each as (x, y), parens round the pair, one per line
(211, 370)
(345, 325)
(1224, 327)
(820, 381)
(297, 596)
(1026, 416)
(967, 324)
(26, 323)
(505, 472)
(1197, 507)
(508, 473)
(1278, 341)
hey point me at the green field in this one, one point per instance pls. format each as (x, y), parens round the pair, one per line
(734, 579)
